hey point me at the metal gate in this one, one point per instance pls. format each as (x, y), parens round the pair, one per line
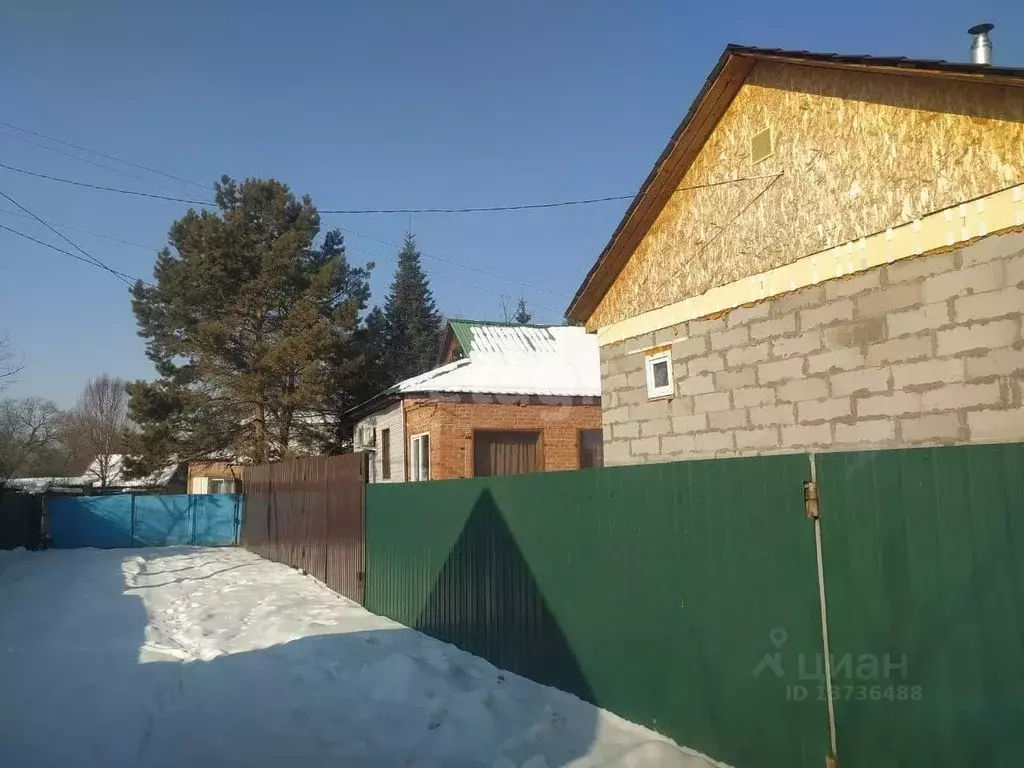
(924, 575)
(308, 513)
(144, 520)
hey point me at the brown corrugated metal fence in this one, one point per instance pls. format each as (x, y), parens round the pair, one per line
(308, 513)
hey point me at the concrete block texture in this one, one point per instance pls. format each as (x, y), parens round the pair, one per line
(925, 351)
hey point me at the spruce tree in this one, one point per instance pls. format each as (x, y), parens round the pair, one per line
(522, 315)
(412, 325)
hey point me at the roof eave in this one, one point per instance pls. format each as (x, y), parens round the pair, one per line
(593, 287)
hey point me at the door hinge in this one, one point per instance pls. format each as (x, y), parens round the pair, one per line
(811, 499)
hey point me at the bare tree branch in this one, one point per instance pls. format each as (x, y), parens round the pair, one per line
(9, 368)
(27, 428)
(98, 425)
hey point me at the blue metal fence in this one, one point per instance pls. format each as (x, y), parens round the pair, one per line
(145, 520)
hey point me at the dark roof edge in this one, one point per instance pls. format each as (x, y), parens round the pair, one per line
(708, 83)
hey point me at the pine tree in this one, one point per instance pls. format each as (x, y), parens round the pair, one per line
(412, 325)
(522, 315)
(250, 327)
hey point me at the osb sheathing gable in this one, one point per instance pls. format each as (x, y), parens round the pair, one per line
(857, 153)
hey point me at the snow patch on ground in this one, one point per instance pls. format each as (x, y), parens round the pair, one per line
(215, 657)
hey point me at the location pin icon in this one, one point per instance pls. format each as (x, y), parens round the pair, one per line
(778, 636)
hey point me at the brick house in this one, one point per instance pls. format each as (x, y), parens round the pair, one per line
(827, 255)
(507, 399)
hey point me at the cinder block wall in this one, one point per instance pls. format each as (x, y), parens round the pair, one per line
(925, 351)
(452, 420)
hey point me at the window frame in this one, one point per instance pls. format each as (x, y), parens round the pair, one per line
(416, 457)
(221, 481)
(654, 391)
(385, 453)
(599, 433)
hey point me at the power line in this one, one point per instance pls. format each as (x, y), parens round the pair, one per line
(149, 248)
(530, 206)
(106, 189)
(122, 275)
(774, 178)
(68, 240)
(73, 156)
(454, 279)
(484, 209)
(115, 158)
(198, 202)
(535, 206)
(454, 263)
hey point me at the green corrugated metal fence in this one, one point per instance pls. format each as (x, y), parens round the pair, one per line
(924, 571)
(684, 597)
(660, 592)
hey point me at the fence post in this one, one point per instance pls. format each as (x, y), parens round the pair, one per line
(132, 524)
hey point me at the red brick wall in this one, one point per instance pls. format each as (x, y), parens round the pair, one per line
(451, 420)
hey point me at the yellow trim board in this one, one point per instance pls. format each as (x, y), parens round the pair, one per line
(936, 231)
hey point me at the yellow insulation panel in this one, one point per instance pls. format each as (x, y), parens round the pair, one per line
(852, 154)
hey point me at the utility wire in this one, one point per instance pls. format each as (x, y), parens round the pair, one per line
(141, 246)
(774, 178)
(495, 208)
(115, 158)
(535, 206)
(503, 295)
(484, 209)
(126, 278)
(68, 240)
(102, 188)
(199, 202)
(454, 263)
(73, 156)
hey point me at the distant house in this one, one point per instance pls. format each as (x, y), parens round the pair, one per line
(507, 399)
(170, 479)
(826, 256)
(214, 477)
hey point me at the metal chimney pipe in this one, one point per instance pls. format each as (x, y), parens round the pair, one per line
(981, 48)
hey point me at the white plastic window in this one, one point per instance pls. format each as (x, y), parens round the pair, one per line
(659, 375)
(419, 457)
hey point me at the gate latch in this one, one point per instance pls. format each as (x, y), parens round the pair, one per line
(811, 499)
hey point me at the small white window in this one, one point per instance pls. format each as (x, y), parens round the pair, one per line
(419, 457)
(221, 485)
(659, 374)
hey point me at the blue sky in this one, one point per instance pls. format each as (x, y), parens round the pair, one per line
(362, 105)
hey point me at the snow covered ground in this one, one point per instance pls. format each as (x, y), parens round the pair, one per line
(215, 657)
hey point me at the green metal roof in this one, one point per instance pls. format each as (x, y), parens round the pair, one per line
(463, 330)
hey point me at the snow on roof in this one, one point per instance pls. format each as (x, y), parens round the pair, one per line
(91, 478)
(116, 478)
(502, 337)
(41, 484)
(520, 360)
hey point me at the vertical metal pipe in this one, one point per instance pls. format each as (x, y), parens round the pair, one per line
(824, 620)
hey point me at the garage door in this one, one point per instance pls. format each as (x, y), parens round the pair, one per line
(507, 453)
